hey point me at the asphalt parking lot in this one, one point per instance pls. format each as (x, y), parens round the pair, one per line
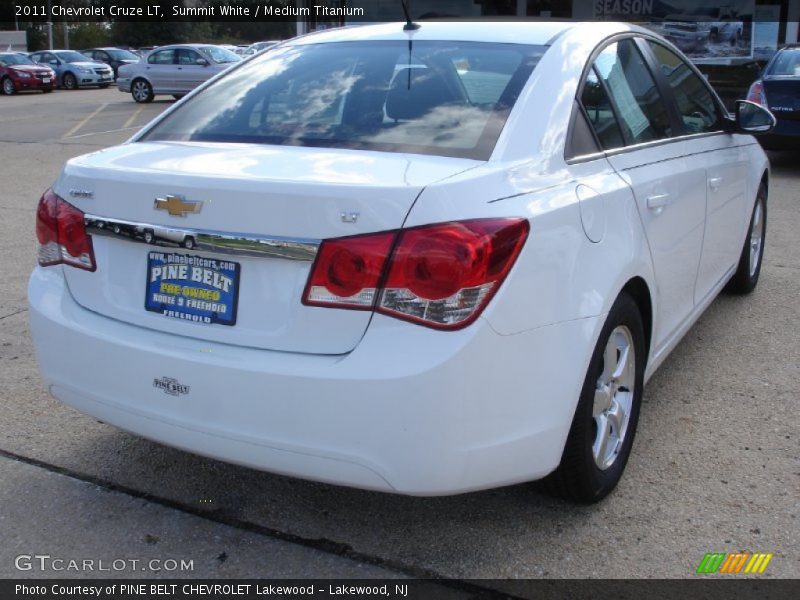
(715, 466)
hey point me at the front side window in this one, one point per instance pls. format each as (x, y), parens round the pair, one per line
(187, 57)
(696, 105)
(221, 55)
(443, 98)
(639, 106)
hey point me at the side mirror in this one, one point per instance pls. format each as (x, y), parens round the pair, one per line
(753, 118)
(54, 63)
(202, 62)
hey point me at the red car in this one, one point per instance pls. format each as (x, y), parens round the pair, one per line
(18, 72)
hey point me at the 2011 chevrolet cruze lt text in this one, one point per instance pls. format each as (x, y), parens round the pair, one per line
(420, 260)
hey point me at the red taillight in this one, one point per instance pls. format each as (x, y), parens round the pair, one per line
(439, 275)
(757, 94)
(347, 271)
(62, 235)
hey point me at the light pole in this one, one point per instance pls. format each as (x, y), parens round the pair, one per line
(49, 26)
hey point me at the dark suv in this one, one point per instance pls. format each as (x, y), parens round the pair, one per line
(113, 57)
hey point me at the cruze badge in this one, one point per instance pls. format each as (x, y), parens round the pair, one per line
(177, 206)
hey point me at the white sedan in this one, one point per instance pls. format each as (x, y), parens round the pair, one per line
(393, 259)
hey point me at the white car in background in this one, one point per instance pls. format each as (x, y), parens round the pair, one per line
(402, 261)
(174, 70)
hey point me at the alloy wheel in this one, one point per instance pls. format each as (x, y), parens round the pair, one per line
(613, 397)
(756, 236)
(141, 91)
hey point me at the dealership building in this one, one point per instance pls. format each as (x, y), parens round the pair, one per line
(766, 24)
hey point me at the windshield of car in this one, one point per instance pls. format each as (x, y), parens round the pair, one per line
(122, 55)
(72, 57)
(14, 59)
(787, 63)
(221, 55)
(442, 98)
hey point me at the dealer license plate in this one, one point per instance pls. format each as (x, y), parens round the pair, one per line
(192, 288)
(46, 80)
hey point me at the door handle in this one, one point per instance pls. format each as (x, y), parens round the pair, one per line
(657, 201)
(714, 183)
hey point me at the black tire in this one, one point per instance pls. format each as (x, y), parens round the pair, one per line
(69, 81)
(745, 279)
(579, 477)
(141, 90)
(8, 87)
(104, 86)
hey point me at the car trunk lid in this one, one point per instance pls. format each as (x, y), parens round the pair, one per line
(241, 199)
(783, 96)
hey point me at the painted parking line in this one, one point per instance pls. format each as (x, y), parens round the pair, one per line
(84, 121)
(132, 118)
(83, 135)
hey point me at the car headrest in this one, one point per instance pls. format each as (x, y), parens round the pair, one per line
(414, 92)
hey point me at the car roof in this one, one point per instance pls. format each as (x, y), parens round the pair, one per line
(525, 32)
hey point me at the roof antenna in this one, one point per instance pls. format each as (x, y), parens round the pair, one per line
(410, 25)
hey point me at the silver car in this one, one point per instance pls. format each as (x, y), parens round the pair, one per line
(175, 70)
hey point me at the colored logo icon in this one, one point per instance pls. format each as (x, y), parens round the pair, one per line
(734, 563)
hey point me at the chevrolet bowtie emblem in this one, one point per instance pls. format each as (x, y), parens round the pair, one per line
(177, 206)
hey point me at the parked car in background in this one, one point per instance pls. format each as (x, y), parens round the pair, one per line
(258, 47)
(175, 70)
(403, 261)
(113, 57)
(689, 36)
(75, 70)
(18, 72)
(778, 89)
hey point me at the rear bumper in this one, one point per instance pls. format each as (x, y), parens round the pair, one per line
(785, 136)
(410, 410)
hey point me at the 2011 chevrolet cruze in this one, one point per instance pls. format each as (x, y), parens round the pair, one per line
(421, 260)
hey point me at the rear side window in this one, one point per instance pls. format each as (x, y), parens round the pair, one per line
(641, 110)
(601, 115)
(696, 105)
(162, 57)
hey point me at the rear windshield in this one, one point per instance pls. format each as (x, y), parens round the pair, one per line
(443, 98)
(787, 63)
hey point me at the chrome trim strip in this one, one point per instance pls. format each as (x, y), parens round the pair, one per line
(237, 244)
(644, 145)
